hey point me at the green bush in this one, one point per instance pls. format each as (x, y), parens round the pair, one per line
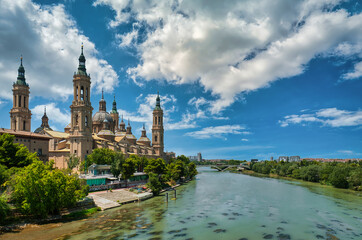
(4, 208)
(39, 190)
(154, 183)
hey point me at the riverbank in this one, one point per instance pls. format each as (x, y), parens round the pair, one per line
(101, 201)
(298, 181)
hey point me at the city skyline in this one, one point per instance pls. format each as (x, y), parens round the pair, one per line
(234, 82)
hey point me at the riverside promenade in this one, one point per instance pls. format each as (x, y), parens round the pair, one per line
(115, 198)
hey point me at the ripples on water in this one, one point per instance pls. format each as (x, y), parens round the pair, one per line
(224, 206)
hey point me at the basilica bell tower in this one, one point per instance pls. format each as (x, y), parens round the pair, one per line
(80, 137)
(20, 115)
(157, 128)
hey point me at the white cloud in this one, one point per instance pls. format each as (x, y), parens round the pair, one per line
(245, 140)
(232, 47)
(356, 73)
(49, 40)
(145, 110)
(216, 132)
(348, 152)
(332, 117)
(55, 114)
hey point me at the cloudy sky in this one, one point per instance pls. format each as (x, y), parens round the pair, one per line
(238, 79)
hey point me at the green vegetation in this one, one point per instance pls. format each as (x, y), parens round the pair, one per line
(177, 170)
(39, 189)
(13, 154)
(101, 156)
(340, 175)
(128, 169)
(72, 162)
(32, 187)
(154, 183)
(116, 166)
(82, 213)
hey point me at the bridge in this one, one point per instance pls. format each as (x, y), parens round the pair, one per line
(223, 167)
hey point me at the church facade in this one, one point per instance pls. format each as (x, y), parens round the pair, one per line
(86, 131)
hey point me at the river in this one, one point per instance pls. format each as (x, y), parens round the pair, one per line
(220, 205)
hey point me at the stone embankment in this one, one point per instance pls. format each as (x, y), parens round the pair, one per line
(115, 198)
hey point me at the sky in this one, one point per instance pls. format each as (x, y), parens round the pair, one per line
(238, 79)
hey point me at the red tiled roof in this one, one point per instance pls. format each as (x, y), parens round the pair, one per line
(24, 134)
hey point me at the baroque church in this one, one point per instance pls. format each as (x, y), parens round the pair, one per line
(85, 132)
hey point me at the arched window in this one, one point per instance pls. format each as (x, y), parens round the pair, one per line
(25, 102)
(19, 101)
(159, 120)
(155, 138)
(76, 93)
(86, 94)
(86, 121)
(82, 93)
(24, 125)
(155, 120)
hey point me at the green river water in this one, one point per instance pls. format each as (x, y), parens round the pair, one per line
(220, 205)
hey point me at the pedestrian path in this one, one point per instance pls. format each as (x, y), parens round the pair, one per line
(106, 200)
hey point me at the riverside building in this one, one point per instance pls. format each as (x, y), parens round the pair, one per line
(85, 131)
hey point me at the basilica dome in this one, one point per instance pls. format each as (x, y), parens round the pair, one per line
(102, 117)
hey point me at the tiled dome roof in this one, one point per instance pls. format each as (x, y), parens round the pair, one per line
(102, 117)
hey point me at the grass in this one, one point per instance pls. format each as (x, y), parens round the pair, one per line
(82, 213)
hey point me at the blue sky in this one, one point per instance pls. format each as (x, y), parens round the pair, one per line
(237, 79)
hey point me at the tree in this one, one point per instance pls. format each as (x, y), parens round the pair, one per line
(128, 169)
(355, 179)
(4, 175)
(154, 183)
(157, 166)
(102, 156)
(338, 177)
(39, 189)
(13, 154)
(192, 170)
(4, 208)
(73, 161)
(184, 159)
(117, 164)
(173, 172)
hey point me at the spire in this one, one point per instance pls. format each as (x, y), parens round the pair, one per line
(158, 102)
(45, 119)
(143, 131)
(129, 128)
(81, 68)
(21, 73)
(114, 108)
(102, 104)
(122, 125)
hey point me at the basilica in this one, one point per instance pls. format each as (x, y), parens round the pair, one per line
(86, 131)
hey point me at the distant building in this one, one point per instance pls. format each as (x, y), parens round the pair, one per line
(294, 159)
(196, 158)
(199, 157)
(271, 158)
(283, 158)
(253, 160)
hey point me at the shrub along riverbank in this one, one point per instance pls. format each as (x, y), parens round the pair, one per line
(339, 175)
